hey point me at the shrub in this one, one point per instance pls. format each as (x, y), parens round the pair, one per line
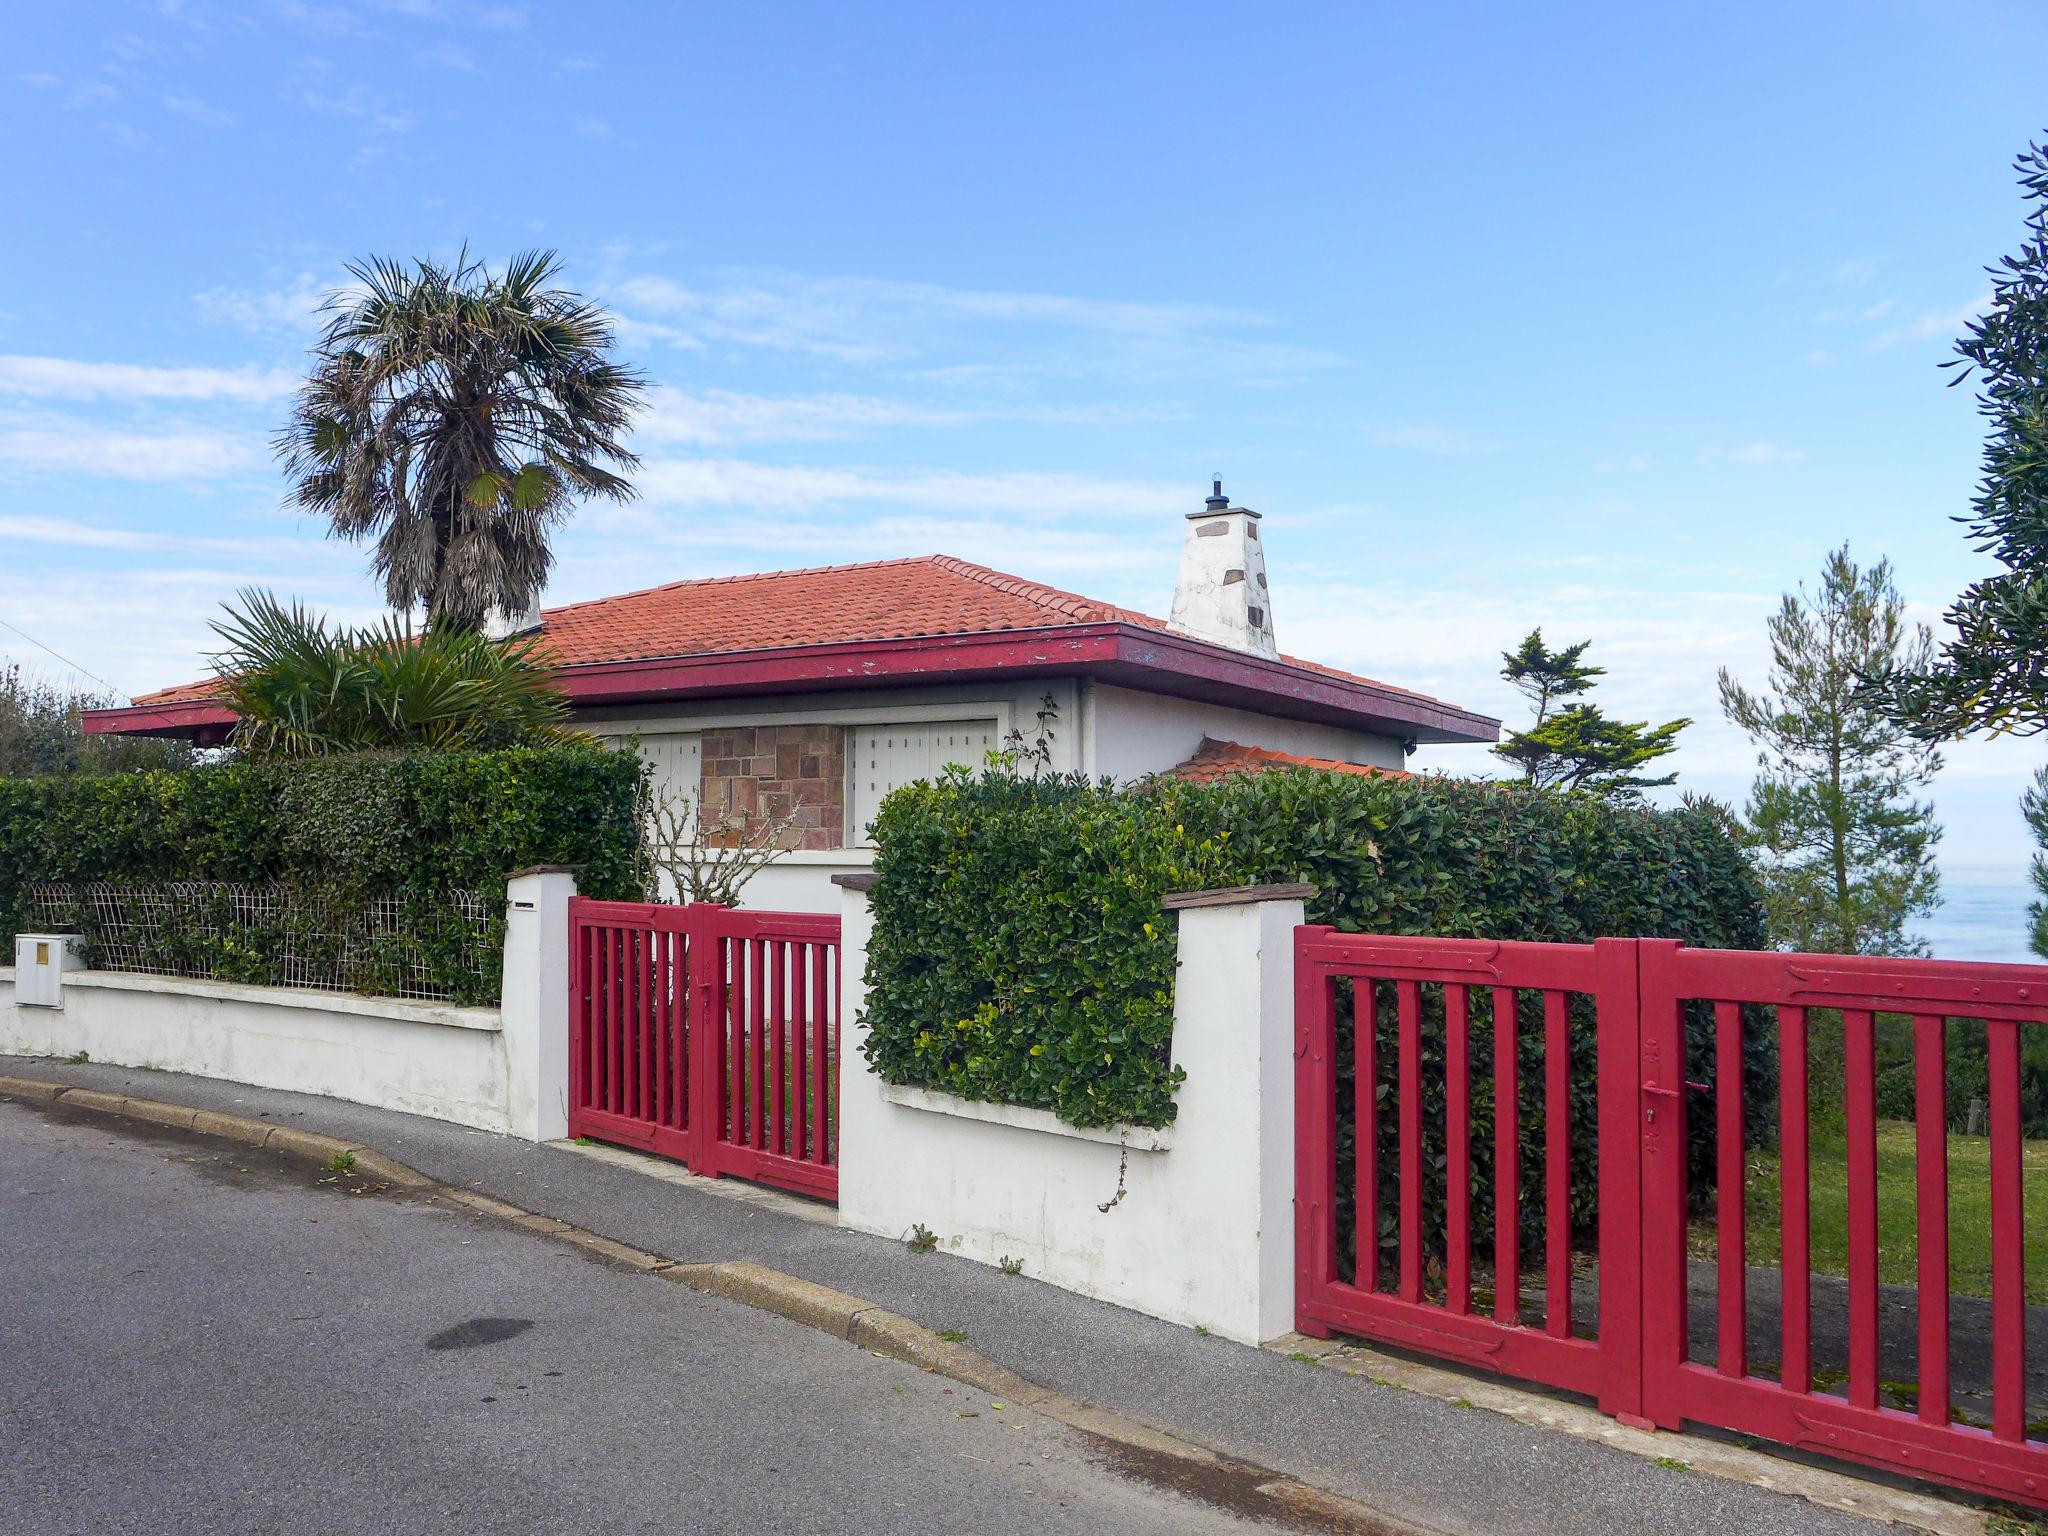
(1020, 952)
(336, 832)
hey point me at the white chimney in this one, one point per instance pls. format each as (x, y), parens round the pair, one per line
(1221, 595)
(503, 623)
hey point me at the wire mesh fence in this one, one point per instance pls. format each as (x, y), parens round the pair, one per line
(443, 947)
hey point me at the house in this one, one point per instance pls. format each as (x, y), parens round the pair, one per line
(816, 692)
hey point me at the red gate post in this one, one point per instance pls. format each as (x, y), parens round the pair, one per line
(1315, 1124)
(706, 1038)
(1620, 1011)
(1656, 1093)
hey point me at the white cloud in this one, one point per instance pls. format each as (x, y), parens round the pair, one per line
(54, 530)
(449, 56)
(70, 379)
(873, 320)
(1752, 453)
(357, 101)
(1931, 325)
(293, 309)
(291, 553)
(1424, 438)
(198, 111)
(51, 443)
(718, 416)
(745, 483)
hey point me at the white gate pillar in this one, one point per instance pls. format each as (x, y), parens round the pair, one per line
(1233, 1033)
(535, 1005)
(1193, 1222)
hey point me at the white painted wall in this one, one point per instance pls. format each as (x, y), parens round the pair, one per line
(498, 1069)
(419, 1057)
(1135, 733)
(1205, 1230)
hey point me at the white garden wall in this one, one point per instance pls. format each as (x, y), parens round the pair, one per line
(1204, 1231)
(499, 1069)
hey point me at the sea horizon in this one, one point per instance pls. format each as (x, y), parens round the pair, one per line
(1983, 916)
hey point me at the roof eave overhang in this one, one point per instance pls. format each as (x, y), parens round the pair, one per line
(200, 720)
(1128, 654)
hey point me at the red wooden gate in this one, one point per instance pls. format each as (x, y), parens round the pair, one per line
(1426, 1309)
(709, 1035)
(1610, 1017)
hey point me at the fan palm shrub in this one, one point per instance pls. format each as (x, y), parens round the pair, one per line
(455, 416)
(303, 689)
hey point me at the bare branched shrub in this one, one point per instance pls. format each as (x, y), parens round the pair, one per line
(706, 857)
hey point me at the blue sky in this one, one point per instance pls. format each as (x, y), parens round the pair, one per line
(1608, 318)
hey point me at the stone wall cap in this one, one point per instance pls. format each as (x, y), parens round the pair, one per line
(859, 880)
(1236, 895)
(546, 869)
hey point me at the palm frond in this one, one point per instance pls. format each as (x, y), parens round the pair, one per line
(451, 416)
(302, 690)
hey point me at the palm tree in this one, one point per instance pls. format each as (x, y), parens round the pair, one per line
(303, 690)
(455, 416)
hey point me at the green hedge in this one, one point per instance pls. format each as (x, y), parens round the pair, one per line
(1020, 952)
(337, 830)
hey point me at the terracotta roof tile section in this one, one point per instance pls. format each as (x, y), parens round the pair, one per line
(826, 605)
(924, 595)
(1215, 760)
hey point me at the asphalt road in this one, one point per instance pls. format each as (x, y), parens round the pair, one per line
(199, 1337)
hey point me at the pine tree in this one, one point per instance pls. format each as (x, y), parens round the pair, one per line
(2034, 806)
(1992, 676)
(1845, 853)
(1575, 746)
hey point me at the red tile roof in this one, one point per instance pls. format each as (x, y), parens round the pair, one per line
(921, 596)
(1215, 760)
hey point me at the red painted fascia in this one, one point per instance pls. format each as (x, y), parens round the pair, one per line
(1124, 653)
(201, 719)
(852, 663)
(1129, 654)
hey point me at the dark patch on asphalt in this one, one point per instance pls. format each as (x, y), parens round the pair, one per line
(1241, 1489)
(478, 1331)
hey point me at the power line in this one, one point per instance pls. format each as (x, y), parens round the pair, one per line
(74, 666)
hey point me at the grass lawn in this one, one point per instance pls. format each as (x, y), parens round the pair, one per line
(1969, 1197)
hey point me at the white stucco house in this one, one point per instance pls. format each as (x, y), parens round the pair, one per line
(816, 692)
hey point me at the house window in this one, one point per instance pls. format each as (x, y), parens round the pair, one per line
(886, 757)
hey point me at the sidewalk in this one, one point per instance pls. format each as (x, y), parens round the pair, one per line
(1412, 1456)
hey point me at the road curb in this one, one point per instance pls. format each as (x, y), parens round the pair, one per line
(861, 1323)
(364, 1162)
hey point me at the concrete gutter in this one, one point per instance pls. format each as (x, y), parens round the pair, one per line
(1258, 1491)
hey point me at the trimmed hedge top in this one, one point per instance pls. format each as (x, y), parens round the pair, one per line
(1020, 953)
(344, 828)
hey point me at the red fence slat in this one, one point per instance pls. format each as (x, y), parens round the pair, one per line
(1731, 1352)
(1859, 1092)
(1408, 1011)
(1930, 1179)
(1507, 1161)
(1458, 1154)
(2008, 1238)
(1795, 1184)
(1557, 1167)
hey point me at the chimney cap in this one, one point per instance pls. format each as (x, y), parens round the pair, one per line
(1218, 502)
